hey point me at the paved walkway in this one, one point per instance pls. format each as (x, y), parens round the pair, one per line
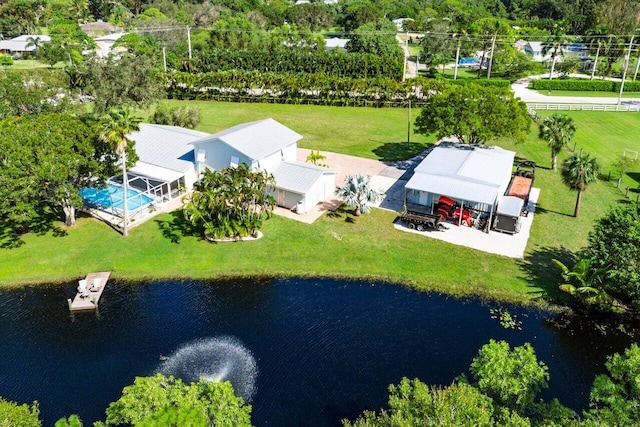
(521, 90)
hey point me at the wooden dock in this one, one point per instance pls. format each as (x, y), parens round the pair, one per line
(89, 291)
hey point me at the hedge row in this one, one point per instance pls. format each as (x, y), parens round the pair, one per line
(242, 86)
(583, 85)
(503, 83)
(335, 63)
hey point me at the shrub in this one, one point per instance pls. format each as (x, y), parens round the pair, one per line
(186, 117)
(6, 60)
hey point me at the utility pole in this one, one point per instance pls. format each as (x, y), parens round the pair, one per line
(406, 54)
(455, 66)
(189, 40)
(164, 58)
(409, 124)
(635, 73)
(624, 71)
(493, 46)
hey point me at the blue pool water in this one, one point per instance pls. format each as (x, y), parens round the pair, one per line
(112, 197)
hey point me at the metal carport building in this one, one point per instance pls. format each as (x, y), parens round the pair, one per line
(474, 176)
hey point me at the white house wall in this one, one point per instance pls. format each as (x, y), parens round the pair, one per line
(270, 162)
(190, 178)
(219, 156)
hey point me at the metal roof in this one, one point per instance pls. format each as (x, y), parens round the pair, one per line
(298, 177)
(156, 172)
(472, 173)
(256, 140)
(19, 44)
(168, 147)
(510, 205)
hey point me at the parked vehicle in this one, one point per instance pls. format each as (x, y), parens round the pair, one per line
(522, 183)
(447, 208)
(421, 221)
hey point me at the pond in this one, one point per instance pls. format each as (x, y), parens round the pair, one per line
(306, 352)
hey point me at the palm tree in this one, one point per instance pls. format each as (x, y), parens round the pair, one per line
(557, 130)
(116, 124)
(582, 281)
(578, 171)
(555, 46)
(357, 193)
(35, 42)
(231, 202)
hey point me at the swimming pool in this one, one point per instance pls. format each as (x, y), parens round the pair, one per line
(112, 197)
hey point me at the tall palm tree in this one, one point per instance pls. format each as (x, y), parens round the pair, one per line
(578, 171)
(554, 45)
(557, 130)
(116, 124)
(358, 193)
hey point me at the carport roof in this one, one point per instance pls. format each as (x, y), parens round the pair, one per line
(472, 173)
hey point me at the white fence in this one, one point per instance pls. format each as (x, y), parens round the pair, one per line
(583, 107)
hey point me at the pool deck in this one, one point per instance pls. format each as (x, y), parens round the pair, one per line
(88, 300)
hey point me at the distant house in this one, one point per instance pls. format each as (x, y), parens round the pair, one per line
(473, 176)
(22, 45)
(270, 146)
(99, 28)
(336, 43)
(104, 44)
(399, 22)
(535, 50)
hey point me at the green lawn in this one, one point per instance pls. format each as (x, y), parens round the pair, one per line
(365, 132)
(29, 64)
(334, 244)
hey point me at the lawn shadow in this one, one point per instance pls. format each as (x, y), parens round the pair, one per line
(342, 211)
(42, 221)
(634, 176)
(539, 270)
(541, 210)
(177, 227)
(397, 151)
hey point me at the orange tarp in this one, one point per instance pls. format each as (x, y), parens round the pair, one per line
(520, 187)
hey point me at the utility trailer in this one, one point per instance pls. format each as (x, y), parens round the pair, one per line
(522, 183)
(515, 200)
(421, 221)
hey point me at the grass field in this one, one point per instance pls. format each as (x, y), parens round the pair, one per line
(336, 245)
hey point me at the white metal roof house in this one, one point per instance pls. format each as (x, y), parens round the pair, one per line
(23, 45)
(474, 176)
(166, 160)
(104, 44)
(270, 146)
(336, 43)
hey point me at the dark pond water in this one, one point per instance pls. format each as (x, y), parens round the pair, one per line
(307, 352)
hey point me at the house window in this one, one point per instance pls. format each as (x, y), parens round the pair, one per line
(234, 162)
(202, 155)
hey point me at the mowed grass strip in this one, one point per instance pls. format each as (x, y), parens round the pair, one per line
(369, 246)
